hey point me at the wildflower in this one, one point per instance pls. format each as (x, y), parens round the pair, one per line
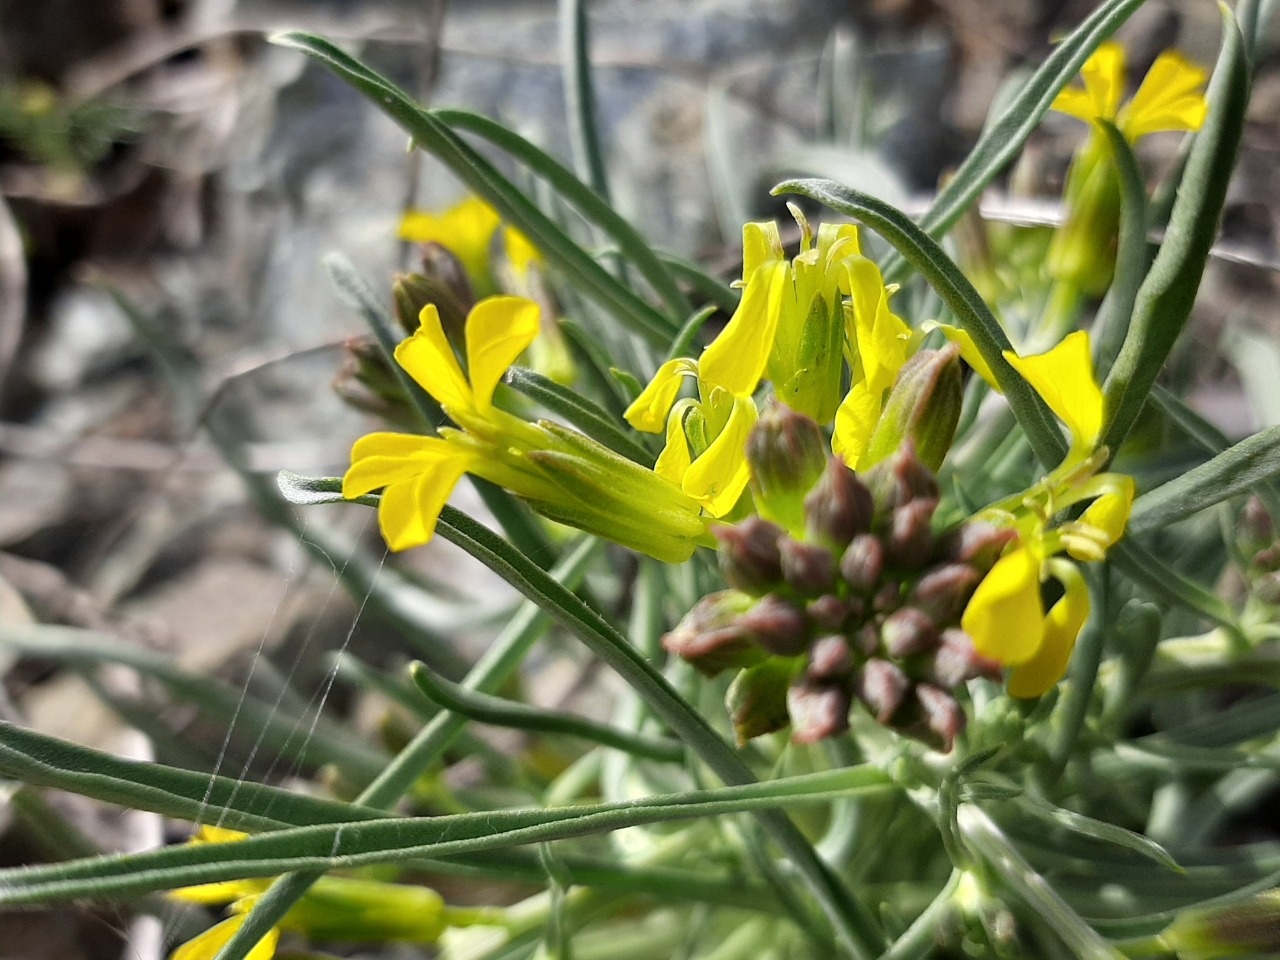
(879, 344)
(564, 475)
(467, 230)
(1006, 616)
(790, 323)
(334, 908)
(1168, 99)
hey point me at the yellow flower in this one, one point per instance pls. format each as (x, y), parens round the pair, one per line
(562, 474)
(1065, 380)
(1169, 97)
(879, 345)
(208, 944)
(466, 230)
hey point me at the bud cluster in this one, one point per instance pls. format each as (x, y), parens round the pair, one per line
(860, 602)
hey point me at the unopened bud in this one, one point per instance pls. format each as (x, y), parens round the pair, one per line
(923, 406)
(1247, 928)
(368, 383)
(910, 542)
(829, 658)
(1254, 530)
(862, 564)
(757, 699)
(442, 283)
(749, 555)
(777, 625)
(817, 711)
(942, 593)
(943, 715)
(710, 636)
(901, 479)
(839, 507)
(882, 686)
(830, 613)
(957, 662)
(906, 632)
(787, 453)
(977, 544)
(806, 567)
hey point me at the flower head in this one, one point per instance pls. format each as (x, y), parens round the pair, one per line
(563, 474)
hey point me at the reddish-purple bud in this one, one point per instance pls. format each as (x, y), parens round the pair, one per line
(942, 714)
(806, 567)
(829, 612)
(839, 507)
(777, 625)
(817, 712)
(749, 556)
(977, 544)
(757, 699)
(943, 592)
(957, 662)
(910, 541)
(862, 564)
(907, 632)
(830, 658)
(882, 686)
(710, 636)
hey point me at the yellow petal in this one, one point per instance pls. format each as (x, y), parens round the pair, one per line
(1064, 378)
(1061, 627)
(383, 459)
(648, 412)
(1103, 523)
(1103, 76)
(674, 459)
(208, 833)
(521, 253)
(717, 478)
(1170, 98)
(761, 243)
(499, 329)
(208, 944)
(735, 360)
(856, 420)
(882, 338)
(408, 511)
(968, 350)
(215, 893)
(428, 358)
(1005, 617)
(466, 230)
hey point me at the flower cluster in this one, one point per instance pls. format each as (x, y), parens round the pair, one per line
(863, 602)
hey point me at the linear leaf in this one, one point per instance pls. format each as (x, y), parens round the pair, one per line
(433, 135)
(1250, 462)
(579, 411)
(1165, 299)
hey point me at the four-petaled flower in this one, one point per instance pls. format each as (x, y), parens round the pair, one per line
(563, 474)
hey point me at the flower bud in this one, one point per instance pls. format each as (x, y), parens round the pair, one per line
(777, 625)
(1254, 530)
(368, 383)
(957, 662)
(817, 711)
(882, 686)
(806, 567)
(1083, 249)
(830, 658)
(443, 283)
(757, 699)
(943, 715)
(977, 544)
(901, 479)
(862, 564)
(787, 454)
(749, 556)
(906, 632)
(830, 613)
(923, 406)
(839, 507)
(710, 636)
(943, 592)
(1247, 928)
(910, 542)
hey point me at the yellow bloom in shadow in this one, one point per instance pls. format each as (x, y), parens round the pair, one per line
(562, 474)
(1170, 97)
(467, 231)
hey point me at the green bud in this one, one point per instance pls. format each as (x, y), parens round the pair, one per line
(757, 699)
(711, 636)
(787, 453)
(750, 558)
(444, 283)
(923, 405)
(1249, 928)
(1083, 251)
(344, 908)
(368, 383)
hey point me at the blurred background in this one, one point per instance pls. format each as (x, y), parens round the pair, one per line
(169, 185)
